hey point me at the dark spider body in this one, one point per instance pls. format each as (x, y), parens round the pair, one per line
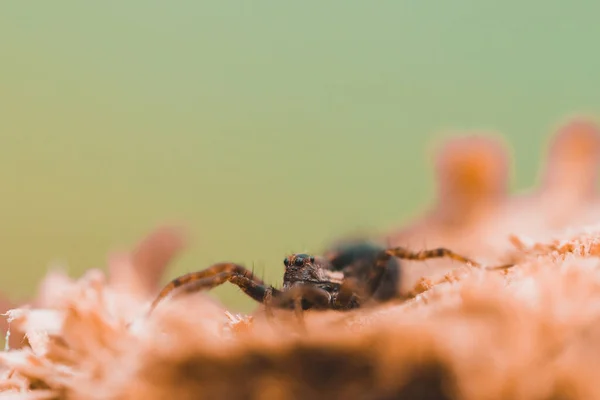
(357, 258)
(346, 278)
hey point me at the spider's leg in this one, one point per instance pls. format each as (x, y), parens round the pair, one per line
(253, 289)
(295, 296)
(401, 252)
(314, 296)
(268, 299)
(378, 271)
(214, 276)
(350, 290)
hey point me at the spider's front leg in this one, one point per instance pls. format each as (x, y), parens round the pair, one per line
(299, 297)
(350, 295)
(303, 297)
(215, 276)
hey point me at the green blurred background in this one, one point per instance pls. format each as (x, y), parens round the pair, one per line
(268, 127)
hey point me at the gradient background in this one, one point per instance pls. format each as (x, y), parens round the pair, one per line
(268, 127)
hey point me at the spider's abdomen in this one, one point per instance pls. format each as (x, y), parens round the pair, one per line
(355, 259)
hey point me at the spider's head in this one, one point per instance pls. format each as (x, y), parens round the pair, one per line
(298, 260)
(299, 268)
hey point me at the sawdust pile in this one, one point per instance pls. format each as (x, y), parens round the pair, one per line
(529, 332)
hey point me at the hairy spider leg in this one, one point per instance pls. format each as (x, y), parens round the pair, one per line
(349, 290)
(268, 299)
(441, 252)
(216, 275)
(403, 253)
(293, 297)
(315, 296)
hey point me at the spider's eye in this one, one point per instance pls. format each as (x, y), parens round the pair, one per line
(286, 262)
(298, 262)
(312, 260)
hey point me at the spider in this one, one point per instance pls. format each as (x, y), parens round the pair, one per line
(344, 279)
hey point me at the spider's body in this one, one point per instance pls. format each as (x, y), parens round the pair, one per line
(357, 258)
(347, 278)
